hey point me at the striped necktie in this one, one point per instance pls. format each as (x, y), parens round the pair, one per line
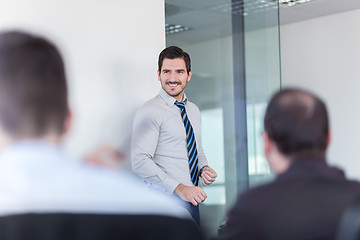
(191, 145)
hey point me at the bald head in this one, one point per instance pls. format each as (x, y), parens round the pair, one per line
(297, 121)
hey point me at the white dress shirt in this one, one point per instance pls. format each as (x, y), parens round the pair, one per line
(158, 147)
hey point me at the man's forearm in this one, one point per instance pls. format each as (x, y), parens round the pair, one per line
(146, 168)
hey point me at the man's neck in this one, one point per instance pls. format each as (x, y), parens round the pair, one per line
(180, 97)
(49, 138)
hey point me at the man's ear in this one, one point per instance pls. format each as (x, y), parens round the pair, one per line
(68, 122)
(267, 143)
(189, 77)
(329, 138)
(158, 73)
(278, 162)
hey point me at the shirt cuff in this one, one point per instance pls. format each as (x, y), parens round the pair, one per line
(202, 161)
(201, 169)
(170, 184)
(202, 164)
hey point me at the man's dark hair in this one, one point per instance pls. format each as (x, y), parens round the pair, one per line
(297, 121)
(33, 90)
(174, 52)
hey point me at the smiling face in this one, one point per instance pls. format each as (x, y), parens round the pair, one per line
(173, 77)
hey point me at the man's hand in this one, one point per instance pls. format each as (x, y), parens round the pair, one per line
(106, 156)
(194, 195)
(208, 176)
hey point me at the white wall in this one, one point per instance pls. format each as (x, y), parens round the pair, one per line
(111, 49)
(323, 55)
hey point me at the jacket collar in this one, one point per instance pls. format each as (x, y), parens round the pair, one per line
(311, 166)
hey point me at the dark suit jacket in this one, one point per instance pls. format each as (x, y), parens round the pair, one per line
(306, 202)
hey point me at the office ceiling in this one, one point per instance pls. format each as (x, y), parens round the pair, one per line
(212, 18)
(317, 8)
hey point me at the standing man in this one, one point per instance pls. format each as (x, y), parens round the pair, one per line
(166, 145)
(308, 197)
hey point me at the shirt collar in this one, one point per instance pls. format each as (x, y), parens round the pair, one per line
(26, 147)
(169, 99)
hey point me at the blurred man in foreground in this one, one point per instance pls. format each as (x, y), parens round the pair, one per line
(307, 198)
(44, 194)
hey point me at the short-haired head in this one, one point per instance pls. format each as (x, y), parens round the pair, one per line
(174, 52)
(297, 121)
(33, 90)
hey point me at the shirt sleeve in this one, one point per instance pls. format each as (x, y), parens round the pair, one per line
(144, 141)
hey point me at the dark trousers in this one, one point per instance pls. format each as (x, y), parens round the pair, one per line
(193, 210)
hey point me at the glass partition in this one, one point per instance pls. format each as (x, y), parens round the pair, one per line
(262, 74)
(223, 67)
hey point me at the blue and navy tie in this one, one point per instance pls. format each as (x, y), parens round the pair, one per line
(191, 145)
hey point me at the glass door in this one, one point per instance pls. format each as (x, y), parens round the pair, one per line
(235, 62)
